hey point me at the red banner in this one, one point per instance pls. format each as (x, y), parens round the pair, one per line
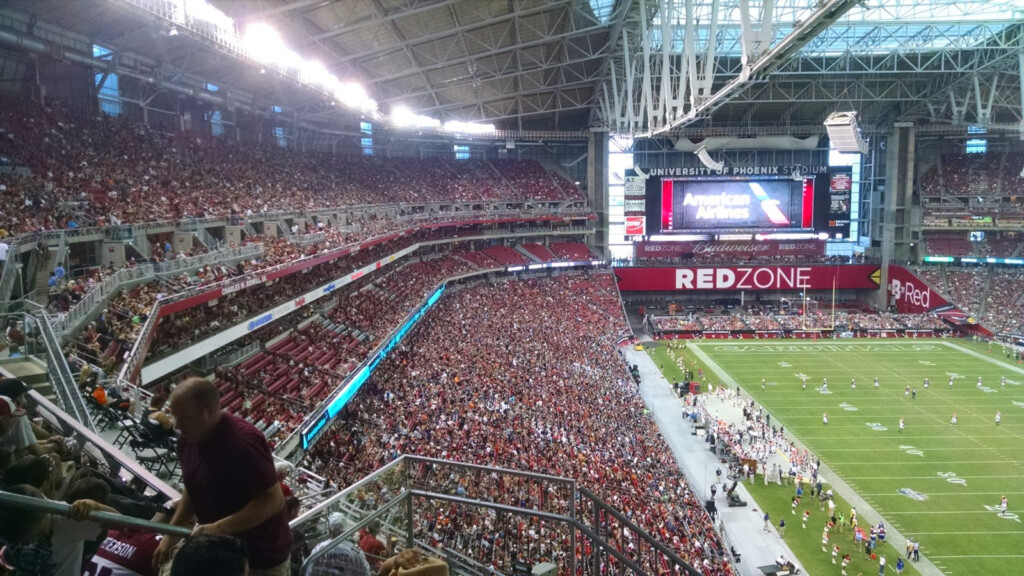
(745, 249)
(910, 294)
(732, 278)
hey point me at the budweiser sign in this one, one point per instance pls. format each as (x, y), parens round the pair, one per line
(768, 248)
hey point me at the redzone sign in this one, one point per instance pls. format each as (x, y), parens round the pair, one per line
(742, 278)
(850, 277)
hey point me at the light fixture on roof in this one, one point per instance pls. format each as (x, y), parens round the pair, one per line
(467, 127)
(172, 32)
(844, 134)
(402, 117)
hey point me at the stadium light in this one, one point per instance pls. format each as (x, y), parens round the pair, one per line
(467, 127)
(263, 43)
(405, 118)
(315, 73)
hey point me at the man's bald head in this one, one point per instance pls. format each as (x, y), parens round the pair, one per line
(195, 405)
(198, 391)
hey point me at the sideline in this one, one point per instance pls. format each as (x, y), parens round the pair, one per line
(864, 510)
(740, 527)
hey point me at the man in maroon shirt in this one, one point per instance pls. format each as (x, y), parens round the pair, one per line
(231, 486)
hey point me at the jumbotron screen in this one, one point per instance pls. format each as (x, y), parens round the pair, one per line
(730, 204)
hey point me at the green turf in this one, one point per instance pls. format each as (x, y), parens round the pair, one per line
(960, 469)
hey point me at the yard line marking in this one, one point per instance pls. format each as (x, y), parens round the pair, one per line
(983, 556)
(946, 512)
(960, 532)
(943, 493)
(917, 477)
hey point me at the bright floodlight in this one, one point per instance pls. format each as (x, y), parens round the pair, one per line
(315, 73)
(467, 127)
(403, 117)
(263, 42)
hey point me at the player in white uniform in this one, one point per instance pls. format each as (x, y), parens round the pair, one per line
(876, 382)
(1002, 382)
(853, 383)
(979, 382)
(925, 383)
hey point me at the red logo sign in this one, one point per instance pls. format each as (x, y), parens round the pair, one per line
(300, 302)
(636, 225)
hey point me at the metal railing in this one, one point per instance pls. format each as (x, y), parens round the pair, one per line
(99, 296)
(61, 380)
(89, 442)
(208, 239)
(224, 255)
(19, 502)
(229, 358)
(12, 265)
(307, 239)
(141, 242)
(411, 490)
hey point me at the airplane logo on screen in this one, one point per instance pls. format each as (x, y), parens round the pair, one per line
(770, 206)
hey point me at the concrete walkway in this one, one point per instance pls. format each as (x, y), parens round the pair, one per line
(865, 511)
(741, 527)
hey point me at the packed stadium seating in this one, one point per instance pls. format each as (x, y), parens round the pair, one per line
(485, 385)
(989, 174)
(97, 170)
(1003, 303)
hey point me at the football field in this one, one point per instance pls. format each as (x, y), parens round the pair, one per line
(935, 482)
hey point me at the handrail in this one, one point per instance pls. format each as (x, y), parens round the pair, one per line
(213, 257)
(307, 239)
(17, 501)
(189, 224)
(61, 380)
(11, 265)
(70, 426)
(604, 507)
(99, 296)
(573, 523)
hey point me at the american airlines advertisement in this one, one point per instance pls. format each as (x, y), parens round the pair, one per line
(732, 204)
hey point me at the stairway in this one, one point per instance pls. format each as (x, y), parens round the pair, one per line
(31, 372)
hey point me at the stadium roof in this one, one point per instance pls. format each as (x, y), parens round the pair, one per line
(571, 64)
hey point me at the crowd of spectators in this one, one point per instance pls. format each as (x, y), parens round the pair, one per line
(966, 287)
(987, 174)
(764, 320)
(1003, 303)
(481, 382)
(96, 170)
(37, 461)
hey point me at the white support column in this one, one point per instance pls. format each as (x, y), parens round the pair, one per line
(630, 75)
(746, 35)
(690, 51)
(959, 110)
(1020, 70)
(647, 99)
(665, 99)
